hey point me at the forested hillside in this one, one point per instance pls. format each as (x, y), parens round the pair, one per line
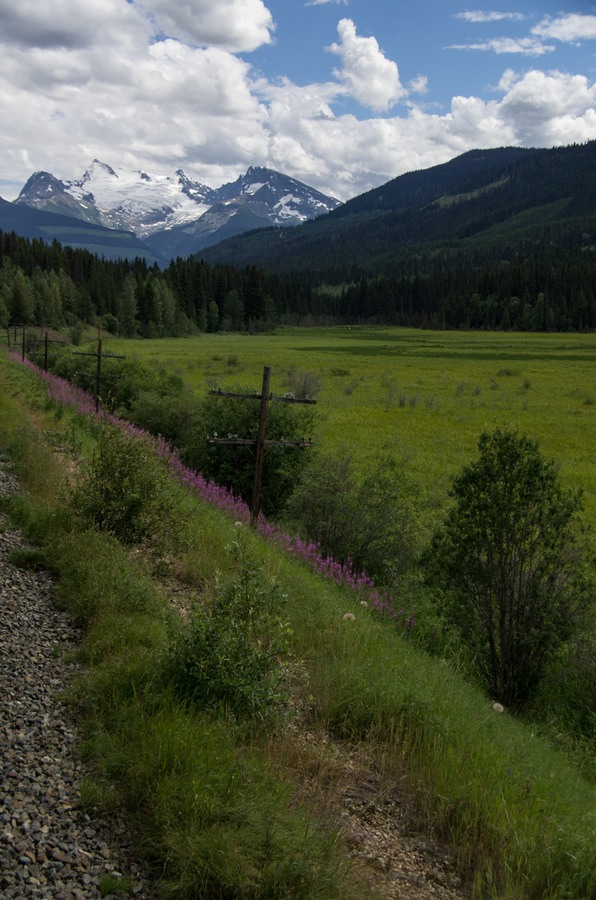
(489, 199)
(493, 239)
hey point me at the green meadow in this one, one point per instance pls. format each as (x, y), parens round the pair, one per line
(422, 396)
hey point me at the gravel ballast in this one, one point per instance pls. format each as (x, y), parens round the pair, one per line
(49, 846)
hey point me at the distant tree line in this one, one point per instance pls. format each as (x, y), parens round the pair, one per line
(55, 286)
(552, 291)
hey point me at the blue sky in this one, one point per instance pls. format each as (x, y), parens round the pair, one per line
(341, 94)
(461, 48)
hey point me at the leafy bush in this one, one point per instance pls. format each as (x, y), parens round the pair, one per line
(566, 699)
(165, 413)
(304, 385)
(122, 382)
(125, 491)
(372, 522)
(508, 560)
(233, 654)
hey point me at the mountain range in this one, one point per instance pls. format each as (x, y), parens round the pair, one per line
(172, 215)
(502, 201)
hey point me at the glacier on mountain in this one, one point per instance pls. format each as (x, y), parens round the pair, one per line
(175, 214)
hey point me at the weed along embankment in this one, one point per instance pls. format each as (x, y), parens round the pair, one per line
(208, 649)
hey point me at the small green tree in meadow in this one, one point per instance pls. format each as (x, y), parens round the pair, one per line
(370, 520)
(509, 564)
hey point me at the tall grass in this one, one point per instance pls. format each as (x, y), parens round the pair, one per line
(501, 794)
(210, 812)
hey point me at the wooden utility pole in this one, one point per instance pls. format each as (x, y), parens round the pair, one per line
(260, 442)
(99, 356)
(260, 451)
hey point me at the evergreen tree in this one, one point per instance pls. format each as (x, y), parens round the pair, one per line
(128, 307)
(233, 312)
(213, 317)
(21, 305)
(254, 297)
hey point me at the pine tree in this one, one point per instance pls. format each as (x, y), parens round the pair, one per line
(21, 305)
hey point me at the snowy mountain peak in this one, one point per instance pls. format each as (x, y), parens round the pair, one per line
(95, 170)
(151, 205)
(198, 192)
(44, 191)
(41, 185)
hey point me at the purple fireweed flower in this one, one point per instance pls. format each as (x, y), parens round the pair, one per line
(64, 394)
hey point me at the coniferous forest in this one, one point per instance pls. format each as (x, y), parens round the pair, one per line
(56, 286)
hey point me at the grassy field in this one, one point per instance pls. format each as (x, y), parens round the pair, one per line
(519, 815)
(423, 396)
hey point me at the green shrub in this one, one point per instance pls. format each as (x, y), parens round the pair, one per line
(233, 653)
(122, 381)
(125, 490)
(167, 414)
(302, 384)
(509, 562)
(566, 700)
(232, 465)
(371, 521)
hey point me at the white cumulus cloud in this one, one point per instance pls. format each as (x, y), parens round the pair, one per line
(548, 108)
(369, 77)
(64, 24)
(140, 85)
(114, 92)
(236, 25)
